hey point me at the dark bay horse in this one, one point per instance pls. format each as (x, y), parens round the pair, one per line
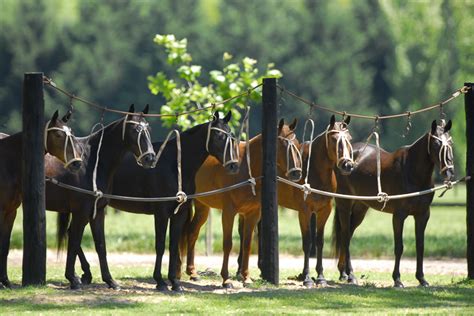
(240, 201)
(329, 151)
(59, 142)
(408, 169)
(197, 144)
(127, 134)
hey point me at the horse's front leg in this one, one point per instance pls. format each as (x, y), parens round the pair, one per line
(420, 224)
(7, 218)
(97, 228)
(321, 219)
(176, 229)
(228, 215)
(304, 217)
(398, 220)
(200, 216)
(76, 230)
(250, 222)
(161, 224)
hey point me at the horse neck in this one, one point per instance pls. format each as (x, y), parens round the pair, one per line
(112, 150)
(419, 167)
(193, 149)
(321, 166)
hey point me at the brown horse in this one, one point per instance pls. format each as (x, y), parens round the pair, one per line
(330, 150)
(239, 201)
(130, 133)
(408, 169)
(60, 143)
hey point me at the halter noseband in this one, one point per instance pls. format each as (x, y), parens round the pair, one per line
(142, 129)
(68, 139)
(342, 136)
(291, 150)
(230, 143)
(445, 149)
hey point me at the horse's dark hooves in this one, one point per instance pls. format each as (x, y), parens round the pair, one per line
(113, 285)
(398, 284)
(177, 288)
(308, 283)
(86, 279)
(5, 284)
(162, 287)
(227, 285)
(343, 277)
(321, 282)
(195, 277)
(424, 284)
(76, 286)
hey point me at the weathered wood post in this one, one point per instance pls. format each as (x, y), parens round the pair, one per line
(34, 217)
(469, 108)
(269, 226)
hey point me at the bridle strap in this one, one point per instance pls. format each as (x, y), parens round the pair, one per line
(342, 138)
(444, 151)
(230, 145)
(143, 129)
(68, 140)
(291, 150)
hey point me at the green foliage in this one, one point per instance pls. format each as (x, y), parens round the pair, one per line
(187, 92)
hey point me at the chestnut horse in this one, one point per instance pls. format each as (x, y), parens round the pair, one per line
(239, 201)
(127, 134)
(60, 142)
(212, 138)
(408, 169)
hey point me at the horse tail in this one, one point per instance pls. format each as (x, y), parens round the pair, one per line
(63, 220)
(336, 234)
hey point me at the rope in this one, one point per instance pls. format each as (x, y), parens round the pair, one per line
(453, 96)
(246, 124)
(97, 193)
(309, 151)
(307, 188)
(49, 82)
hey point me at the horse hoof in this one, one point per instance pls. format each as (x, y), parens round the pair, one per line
(5, 284)
(227, 285)
(308, 283)
(86, 279)
(321, 282)
(162, 287)
(76, 286)
(424, 284)
(195, 278)
(113, 285)
(352, 281)
(177, 288)
(398, 285)
(343, 277)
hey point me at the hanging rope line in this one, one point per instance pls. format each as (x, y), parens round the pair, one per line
(439, 105)
(50, 82)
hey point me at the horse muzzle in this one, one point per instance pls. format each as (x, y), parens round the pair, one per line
(294, 174)
(346, 167)
(449, 174)
(147, 161)
(232, 167)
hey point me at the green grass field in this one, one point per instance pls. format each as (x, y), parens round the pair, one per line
(445, 234)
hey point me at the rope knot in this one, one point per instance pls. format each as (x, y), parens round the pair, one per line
(98, 194)
(382, 197)
(181, 197)
(306, 188)
(252, 183)
(449, 184)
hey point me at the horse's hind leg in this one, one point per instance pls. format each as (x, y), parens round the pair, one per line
(176, 230)
(398, 220)
(241, 236)
(200, 217)
(6, 225)
(357, 216)
(250, 222)
(76, 231)
(161, 224)
(420, 224)
(321, 219)
(86, 277)
(341, 234)
(227, 226)
(304, 218)
(97, 228)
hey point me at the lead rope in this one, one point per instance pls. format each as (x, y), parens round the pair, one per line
(306, 185)
(181, 197)
(97, 193)
(246, 124)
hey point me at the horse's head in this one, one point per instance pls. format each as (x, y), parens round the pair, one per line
(222, 144)
(136, 135)
(60, 142)
(338, 145)
(440, 148)
(288, 155)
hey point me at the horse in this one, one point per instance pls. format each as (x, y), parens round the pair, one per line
(408, 169)
(239, 201)
(212, 138)
(102, 153)
(329, 151)
(59, 142)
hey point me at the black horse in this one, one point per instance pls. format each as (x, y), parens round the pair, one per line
(127, 134)
(408, 169)
(196, 144)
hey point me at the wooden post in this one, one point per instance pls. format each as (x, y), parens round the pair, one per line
(469, 108)
(269, 233)
(34, 217)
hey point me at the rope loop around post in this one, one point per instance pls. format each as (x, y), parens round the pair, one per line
(408, 125)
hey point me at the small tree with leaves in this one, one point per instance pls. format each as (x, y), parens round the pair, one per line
(185, 91)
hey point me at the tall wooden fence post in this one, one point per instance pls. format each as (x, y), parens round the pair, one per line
(469, 108)
(269, 226)
(34, 217)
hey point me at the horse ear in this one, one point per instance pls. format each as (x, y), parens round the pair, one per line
(448, 126)
(146, 109)
(132, 108)
(67, 116)
(293, 124)
(434, 126)
(347, 120)
(280, 124)
(332, 121)
(55, 116)
(227, 117)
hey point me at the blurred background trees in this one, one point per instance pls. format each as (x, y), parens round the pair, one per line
(361, 56)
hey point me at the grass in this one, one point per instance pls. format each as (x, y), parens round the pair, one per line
(374, 295)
